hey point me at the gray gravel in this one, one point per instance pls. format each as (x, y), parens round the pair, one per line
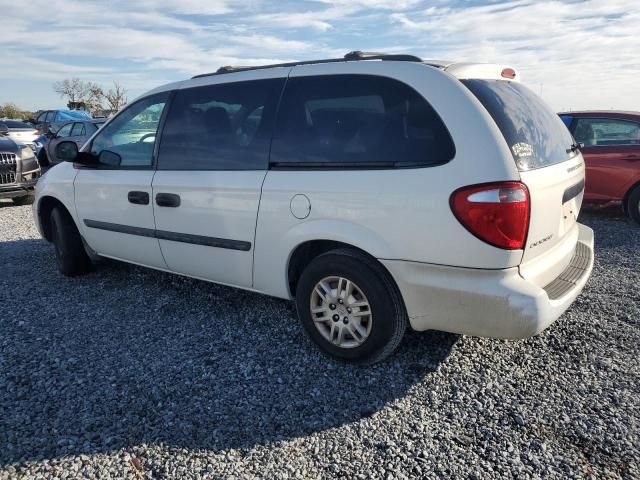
(131, 373)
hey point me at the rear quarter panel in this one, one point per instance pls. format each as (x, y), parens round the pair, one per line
(400, 214)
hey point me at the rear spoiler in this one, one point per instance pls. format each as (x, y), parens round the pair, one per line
(489, 71)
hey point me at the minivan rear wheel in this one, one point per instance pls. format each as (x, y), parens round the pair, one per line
(633, 205)
(350, 307)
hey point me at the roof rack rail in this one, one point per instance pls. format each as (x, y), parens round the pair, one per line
(351, 56)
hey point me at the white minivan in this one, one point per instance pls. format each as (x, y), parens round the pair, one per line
(375, 190)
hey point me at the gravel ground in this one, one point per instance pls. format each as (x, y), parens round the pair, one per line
(131, 373)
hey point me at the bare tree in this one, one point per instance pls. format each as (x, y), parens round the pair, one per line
(116, 97)
(73, 89)
(95, 96)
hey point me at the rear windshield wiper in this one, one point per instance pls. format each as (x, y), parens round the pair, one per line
(575, 147)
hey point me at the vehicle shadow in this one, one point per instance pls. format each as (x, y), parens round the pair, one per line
(127, 356)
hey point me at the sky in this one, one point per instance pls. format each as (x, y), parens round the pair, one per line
(581, 54)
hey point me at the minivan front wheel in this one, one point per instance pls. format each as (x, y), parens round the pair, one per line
(350, 307)
(71, 256)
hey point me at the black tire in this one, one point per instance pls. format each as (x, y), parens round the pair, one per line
(389, 316)
(71, 256)
(24, 200)
(633, 205)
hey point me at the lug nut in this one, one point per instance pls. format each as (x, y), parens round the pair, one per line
(348, 310)
(332, 306)
(340, 302)
(345, 320)
(336, 318)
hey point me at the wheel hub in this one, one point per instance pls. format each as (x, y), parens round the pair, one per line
(341, 312)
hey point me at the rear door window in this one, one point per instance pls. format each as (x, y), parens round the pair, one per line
(357, 121)
(65, 130)
(535, 134)
(601, 132)
(220, 127)
(78, 129)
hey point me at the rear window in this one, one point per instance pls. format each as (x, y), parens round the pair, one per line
(536, 136)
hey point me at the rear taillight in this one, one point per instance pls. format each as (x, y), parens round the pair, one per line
(497, 213)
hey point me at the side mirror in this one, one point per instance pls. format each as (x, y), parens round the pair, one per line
(67, 151)
(4, 130)
(109, 158)
(50, 131)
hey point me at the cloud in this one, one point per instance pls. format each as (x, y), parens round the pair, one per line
(578, 54)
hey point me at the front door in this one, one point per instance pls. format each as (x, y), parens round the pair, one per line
(212, 161)
(113, 200)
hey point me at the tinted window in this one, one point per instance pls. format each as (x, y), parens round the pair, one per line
(220, 127)
(77, 130)
(65, 130)
(355, 120)
(49, 117)
(535, 134)
(132, 133)
(41, 117)
(606, 131)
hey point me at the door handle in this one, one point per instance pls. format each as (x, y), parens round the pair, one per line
(139, 198)
(167, 200)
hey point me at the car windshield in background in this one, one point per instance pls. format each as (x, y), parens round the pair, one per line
(73, 115)
(536, 136)
(15, 124)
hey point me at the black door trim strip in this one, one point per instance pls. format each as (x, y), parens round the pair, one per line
(171, 236)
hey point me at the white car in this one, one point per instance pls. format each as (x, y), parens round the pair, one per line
(378, 191)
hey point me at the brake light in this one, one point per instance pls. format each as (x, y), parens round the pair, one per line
(496, 213)
(508, 73)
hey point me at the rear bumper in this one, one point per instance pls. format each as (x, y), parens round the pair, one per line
(489, 303)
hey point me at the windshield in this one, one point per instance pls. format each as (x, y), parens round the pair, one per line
(14, 124)
(536, 136)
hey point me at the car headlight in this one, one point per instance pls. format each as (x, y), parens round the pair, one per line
(29, 162)
(26, 152)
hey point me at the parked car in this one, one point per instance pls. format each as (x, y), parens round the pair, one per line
(51, 120)
(21, 132)
(611, 150)
(77, 131)
(19, 169)
(375, 190)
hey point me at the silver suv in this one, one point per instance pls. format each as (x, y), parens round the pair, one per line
(19, 171)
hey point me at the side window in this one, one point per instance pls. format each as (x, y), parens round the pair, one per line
(65, 130)
(358, 119)
(49, 116)
(132, 134)
(42, 117)
(220, 127)
(78, 129)
(607, 131)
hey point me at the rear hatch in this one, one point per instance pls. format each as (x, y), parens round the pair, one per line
(549, 165)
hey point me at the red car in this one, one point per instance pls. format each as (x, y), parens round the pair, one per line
(612, 155)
